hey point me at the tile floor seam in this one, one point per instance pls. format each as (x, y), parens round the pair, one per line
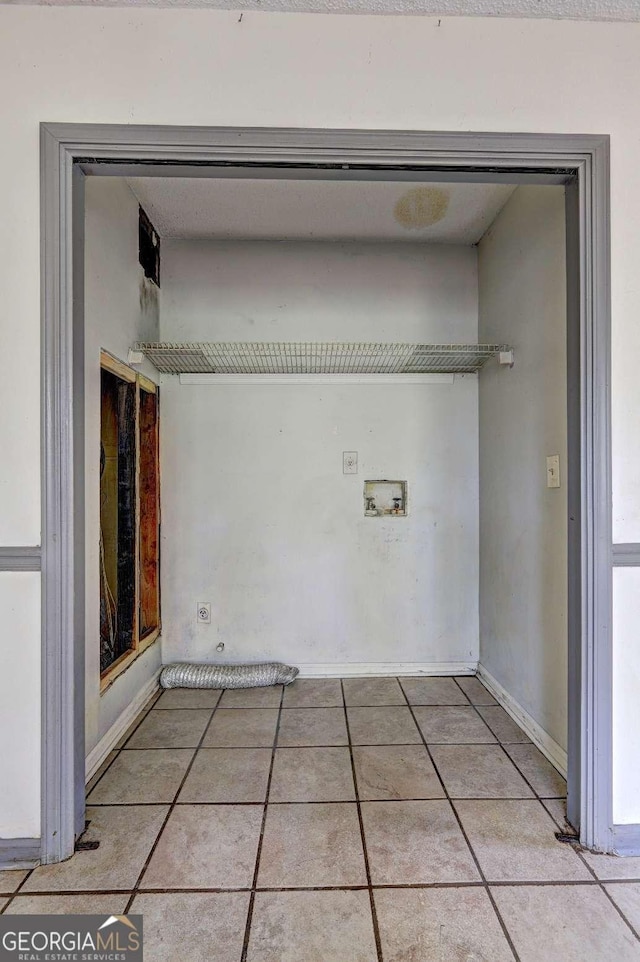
(252, 896)
(382, 886)
(513, 761)
(169, 812)
(334, 801)
(144, 711)
(464, 834)
(367, 867)
(601, 883)
(619, 910)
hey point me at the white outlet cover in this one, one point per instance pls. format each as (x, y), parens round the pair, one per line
(349, 462)
(204, 613)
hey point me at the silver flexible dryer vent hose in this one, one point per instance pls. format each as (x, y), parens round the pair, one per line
(226, 676)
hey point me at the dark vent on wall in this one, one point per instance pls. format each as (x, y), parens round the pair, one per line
(148, 248)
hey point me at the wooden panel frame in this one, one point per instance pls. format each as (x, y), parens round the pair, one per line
(139, 645)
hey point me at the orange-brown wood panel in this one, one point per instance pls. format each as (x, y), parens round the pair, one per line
(149, 487)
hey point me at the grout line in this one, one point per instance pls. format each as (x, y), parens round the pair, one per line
(617, 907)
(132, 729)
(168, 815)
(595, 880)
(379, 886)
(320, 801)
(374, 913)
(252, 897)
(464, 834)
(328, 707)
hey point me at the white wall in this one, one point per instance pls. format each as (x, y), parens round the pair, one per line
(168, 66)
(257, 515)
(121, 306)
(523, 524)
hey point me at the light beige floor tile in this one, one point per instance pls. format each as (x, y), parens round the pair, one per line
(382, 726)
(312, 775)
(313, 693)
(475, 691)
(609, 867)
(502, 725)
(312, 726)
(97, 775)
(626, 895)
(452, 725)
(126, 836)
(386, 772)
(372, 691)
(206, 846)
(228, 775)
(539, 772)
(242, 728)
(193, 927)
(337, 927)
(440, 925)
(138, 777)
(132, 727)
(479, 771)
(564, 923)
(69, 904)
(433, 691)
(308, 845)
(10, 879)
(410, 843)
(3, 902)
(514, 841)
(268, 697)
(189, 698)
(557, 808)
(181, 728)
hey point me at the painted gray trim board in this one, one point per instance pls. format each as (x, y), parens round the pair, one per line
(626, 840)
(19, 853)
(583, 158)
(626, 555)
(26, 558)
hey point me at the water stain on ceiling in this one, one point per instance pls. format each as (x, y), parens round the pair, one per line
(421, 207)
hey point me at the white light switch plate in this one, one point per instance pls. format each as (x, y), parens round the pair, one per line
(349, 462)
(553, 471)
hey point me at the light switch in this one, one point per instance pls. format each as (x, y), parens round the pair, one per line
(349, 462)
(553, 471)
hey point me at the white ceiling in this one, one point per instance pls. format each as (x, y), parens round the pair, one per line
(319, 210)
(628, 10)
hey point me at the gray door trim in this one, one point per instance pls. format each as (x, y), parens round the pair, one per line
(23, 853)
(626, 555)
(25, 558)
(357, 153)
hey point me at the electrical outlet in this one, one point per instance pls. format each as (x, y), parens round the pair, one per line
(204, 613)
(349, 462)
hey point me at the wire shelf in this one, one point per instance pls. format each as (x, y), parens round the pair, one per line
(317, 358)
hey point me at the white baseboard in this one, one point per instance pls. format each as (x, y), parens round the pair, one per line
(550, 748)
(98, 754)
(388, 668)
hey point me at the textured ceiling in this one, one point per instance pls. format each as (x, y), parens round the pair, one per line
(553, 9)
(319, 210)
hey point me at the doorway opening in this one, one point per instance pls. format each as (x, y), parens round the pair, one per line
(477, 487)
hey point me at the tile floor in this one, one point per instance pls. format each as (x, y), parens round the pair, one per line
(364, 820)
